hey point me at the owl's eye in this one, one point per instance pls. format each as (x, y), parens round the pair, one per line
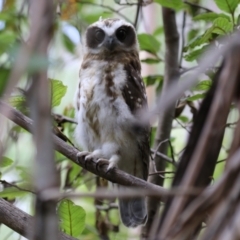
(121, 34)
(99, 35)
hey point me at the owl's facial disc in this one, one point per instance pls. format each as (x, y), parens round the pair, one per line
(110, 38)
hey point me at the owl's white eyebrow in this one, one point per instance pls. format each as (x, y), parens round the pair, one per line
(111, 30)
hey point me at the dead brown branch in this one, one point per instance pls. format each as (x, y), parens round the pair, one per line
(171, 73)
(115, 176)
(20, 221)
(199, 159)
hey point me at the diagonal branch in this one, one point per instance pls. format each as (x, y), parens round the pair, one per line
(115, 175)
(20, 221)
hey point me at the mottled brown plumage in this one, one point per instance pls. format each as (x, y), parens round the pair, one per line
(111, 93)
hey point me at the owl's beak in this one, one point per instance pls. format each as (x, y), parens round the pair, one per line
(110, 43)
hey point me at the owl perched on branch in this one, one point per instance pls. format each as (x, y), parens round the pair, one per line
(110, 94)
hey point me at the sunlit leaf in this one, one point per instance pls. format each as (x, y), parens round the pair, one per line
(5, 162)
(152, 79)
(150, 60)
(227, 5)
(94, 16)
(148, 43)
(17, 101)
(58, 91)
(196, 97)
(203, 85)
(11, 193)
(222, 26)
(72, 218)
(158, 31)
(70, 46)
(192, 34)
(195, 54)
(210, 16)
(7, 39)
(183, 119)
(174, 4)
(204, 38)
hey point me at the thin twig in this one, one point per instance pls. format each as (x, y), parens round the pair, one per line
(184, 127)
(106, 7)
(17, 187)
(197, 6)
(165, 157)
(137, 13)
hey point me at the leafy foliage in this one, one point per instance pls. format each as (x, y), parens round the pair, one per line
(210, 16)
(5, 162)
(72, 217)
(203, 28)
(58, 91)
(148, 43)
(174, 4)
(228, 6)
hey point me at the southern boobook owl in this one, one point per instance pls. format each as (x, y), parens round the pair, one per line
(109, 96)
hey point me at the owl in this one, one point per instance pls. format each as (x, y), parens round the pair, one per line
(109, 97)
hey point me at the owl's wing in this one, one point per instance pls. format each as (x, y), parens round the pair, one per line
(134, 94)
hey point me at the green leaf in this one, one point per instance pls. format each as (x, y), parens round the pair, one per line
(148, 43)
(196, 97)
(58, 91)
(7, 39)
(174, 4)
(192, 34)
(210, 16)
(204, 38)
(151, 60)
(158, 31)
(222, 26)
(183, 119)
(195, 54)
(11, 193)
(70, 46)
(5, 162)
(93, 16)
(17, 102)
(72, 218)
(228, 6)
(203, 85)
(153, 79)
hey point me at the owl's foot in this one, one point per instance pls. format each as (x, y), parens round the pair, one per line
(101, 162)
(112, 162)
(84, 155)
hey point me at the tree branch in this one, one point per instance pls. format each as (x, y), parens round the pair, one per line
(20, 221)
(165, 118)
(38, 98)
(115, 175)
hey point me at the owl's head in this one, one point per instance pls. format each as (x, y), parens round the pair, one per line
(111, 35)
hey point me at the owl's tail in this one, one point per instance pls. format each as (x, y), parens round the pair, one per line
(133, 211)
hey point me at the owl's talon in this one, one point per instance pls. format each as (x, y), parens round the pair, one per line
(84, 155)
(100, 162)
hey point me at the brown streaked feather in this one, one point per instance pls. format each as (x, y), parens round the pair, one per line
(134, 95)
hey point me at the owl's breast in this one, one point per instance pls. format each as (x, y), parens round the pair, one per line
(102, 107)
